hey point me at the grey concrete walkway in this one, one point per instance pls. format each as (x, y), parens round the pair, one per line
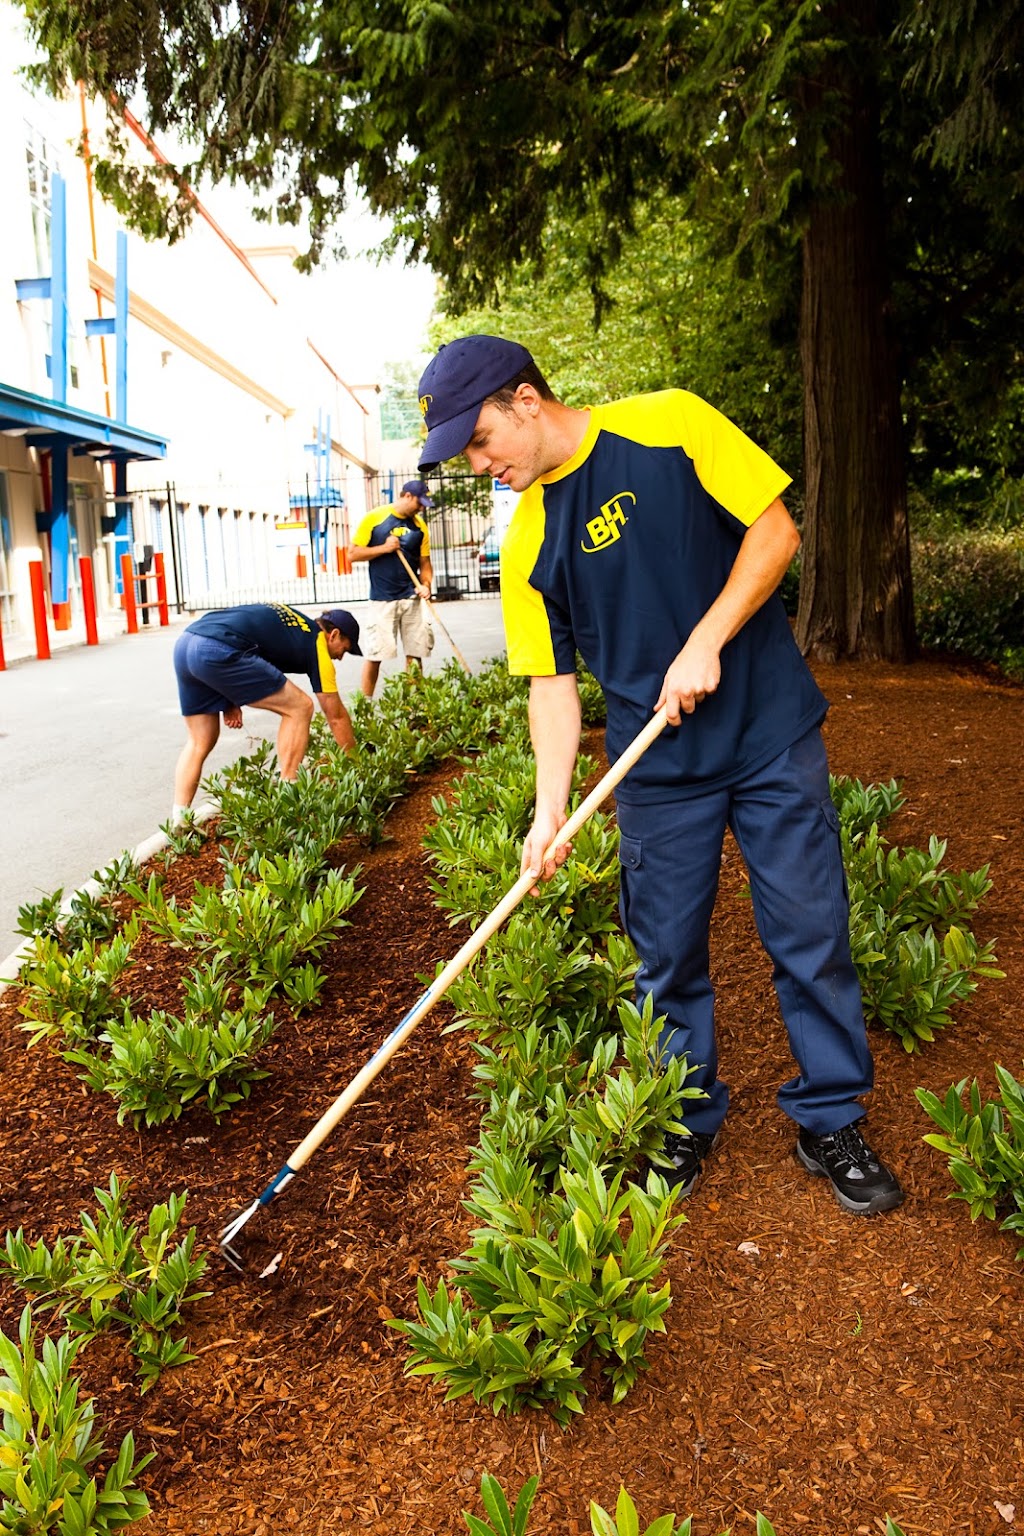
(89, 739)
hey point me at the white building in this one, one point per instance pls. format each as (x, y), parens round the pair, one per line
(158, 398)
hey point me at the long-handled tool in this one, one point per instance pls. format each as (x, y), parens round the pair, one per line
(477, 939)
(434, 613)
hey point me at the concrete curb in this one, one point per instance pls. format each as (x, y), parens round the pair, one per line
(11, 967)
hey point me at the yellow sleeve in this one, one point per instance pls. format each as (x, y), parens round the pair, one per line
(369, 521)
(730, 466)
(325, 666)
(425, 546)
(528, 638)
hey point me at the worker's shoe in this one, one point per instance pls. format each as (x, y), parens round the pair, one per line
(860, 1180)
(686, 1155)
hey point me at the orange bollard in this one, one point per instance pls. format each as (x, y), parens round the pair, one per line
(131, 613)
(35, 574)
(300, 565)
(3, 658)
(88, 601)
(62, 615)
(344, 560)
(161, 588)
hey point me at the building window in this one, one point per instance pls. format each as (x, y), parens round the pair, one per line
(40, 163)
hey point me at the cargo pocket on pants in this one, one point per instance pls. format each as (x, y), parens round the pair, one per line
(637, 901)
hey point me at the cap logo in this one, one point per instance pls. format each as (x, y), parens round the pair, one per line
(425, 403)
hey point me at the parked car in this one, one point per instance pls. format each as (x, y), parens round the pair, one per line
(489, 561)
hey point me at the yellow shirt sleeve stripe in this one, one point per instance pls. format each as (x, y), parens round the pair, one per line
(325, 666)
(527, 633)
(731, 468)
(364, 530)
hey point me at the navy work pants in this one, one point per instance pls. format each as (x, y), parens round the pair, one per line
(788, 832)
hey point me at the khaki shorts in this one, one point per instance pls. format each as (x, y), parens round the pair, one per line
(408, 618)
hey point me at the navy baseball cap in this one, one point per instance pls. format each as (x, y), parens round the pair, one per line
(418, 488)
(340, 618)
(454, 386)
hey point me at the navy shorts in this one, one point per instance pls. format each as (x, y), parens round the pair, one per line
(213, 676)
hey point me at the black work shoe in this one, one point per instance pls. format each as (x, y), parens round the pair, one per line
(687, 1155)
(860, 1180)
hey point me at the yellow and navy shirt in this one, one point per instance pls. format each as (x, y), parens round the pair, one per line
(620, 552)
(281, 635)
(389, 580)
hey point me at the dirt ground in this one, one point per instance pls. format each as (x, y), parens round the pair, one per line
(845, 1370)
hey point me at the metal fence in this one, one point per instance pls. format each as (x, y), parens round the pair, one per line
(224, 546)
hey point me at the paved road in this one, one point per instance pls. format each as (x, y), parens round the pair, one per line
(88, 742)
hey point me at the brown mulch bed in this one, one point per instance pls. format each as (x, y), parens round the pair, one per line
(846, 1370)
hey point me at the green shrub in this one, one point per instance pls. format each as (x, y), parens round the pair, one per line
(625, 1522)
(87, 917)
(861, 806)
(72, 993)
(156, 1066)
(969, 596)
(984, 1142)
(914, 953)
(49, 1442)
(548, 1282)
(111, 1276)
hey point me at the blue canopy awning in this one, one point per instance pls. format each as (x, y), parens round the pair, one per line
(326, 496)
(53, 424)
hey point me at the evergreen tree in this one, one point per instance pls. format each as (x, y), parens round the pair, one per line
(472, 123)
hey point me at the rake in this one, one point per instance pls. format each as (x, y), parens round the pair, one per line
(434, 614)
(477, 939)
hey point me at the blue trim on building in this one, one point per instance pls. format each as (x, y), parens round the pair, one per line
(53, 421)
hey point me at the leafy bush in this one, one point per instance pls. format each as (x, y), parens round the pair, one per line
(259, 922)
(550, 1282)
(111, 1276)
(547, 1094)
(625, 1522)
(158, 1065)
(88, 916)
(969, 596)
(985, 1146)
(71, 993)
(49, 1442)
(914, 955)
(861, 806)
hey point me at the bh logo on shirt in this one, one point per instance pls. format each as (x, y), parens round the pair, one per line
(606, 528)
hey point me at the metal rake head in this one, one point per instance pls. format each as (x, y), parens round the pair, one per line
(229, 1250)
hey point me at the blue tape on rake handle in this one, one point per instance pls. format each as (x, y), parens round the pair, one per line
(443, 980)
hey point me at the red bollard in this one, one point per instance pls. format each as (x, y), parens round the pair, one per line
(35, 575)
(161, 588)
(131, 613)
(3, 659)
(88, 601)
(300, 565)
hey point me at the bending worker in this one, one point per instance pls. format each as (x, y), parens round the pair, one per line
(239, 656)
(398, 603)
(651, 535)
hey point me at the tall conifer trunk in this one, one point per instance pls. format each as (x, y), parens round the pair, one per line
(855, 591)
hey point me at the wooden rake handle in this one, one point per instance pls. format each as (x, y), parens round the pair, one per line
(476, 941)
(437, 620)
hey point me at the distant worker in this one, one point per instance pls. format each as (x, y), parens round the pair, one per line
(398, 604)
(239, 656)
